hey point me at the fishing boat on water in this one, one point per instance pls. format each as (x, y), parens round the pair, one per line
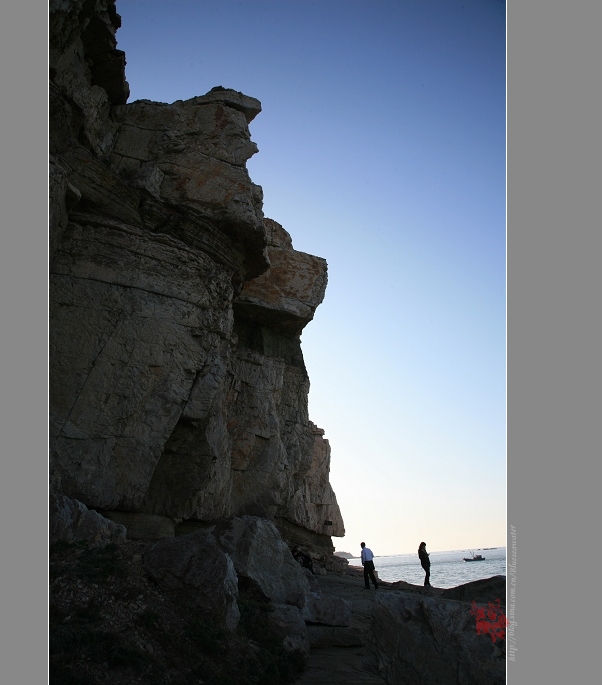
(474, 557)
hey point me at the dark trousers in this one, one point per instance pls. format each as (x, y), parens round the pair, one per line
(427, 568)
(369, 571)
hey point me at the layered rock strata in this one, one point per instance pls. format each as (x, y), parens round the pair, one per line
(178, 392)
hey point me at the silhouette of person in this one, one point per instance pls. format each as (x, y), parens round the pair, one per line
(368, 564)
(425, 562)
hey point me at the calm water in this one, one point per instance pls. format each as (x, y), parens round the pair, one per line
(447, 568)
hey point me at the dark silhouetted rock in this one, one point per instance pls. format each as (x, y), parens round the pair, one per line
(285, 620)
(481, 591)
(326, 609)
(195, 571)
(422, 640)
(260, 555)
(71, 521)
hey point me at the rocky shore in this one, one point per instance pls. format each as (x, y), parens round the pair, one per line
(229, 605)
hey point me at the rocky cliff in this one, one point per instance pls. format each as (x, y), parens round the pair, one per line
(183, 464)
(178, 392)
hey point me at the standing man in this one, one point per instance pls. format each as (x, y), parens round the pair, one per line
(368, 564)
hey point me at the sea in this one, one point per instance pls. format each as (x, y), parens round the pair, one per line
(448, 569)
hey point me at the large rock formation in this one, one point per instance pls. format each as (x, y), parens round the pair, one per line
(71, 521)
(195, 570)
(178, 392)
(422, 640)
(205, 568)
(261, 558)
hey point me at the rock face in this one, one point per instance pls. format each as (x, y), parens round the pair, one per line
(481, 591)
(420, 640)
(326, 610)
(196, 570)
(261, 557)
(178, 392)
(205, 568)
(285, 297)
(289, 626)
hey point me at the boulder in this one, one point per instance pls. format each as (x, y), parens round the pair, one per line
(481, 591)
(71, 521)
(420, 640)
(260, 556)
(144, 526)
(196, 572)
(286, 622)
(326, 609)
(314, 586)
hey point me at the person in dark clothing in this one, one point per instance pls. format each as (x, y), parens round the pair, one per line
(425, 562)
(368, 564)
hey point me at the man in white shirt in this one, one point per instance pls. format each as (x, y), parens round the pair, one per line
(368, 564)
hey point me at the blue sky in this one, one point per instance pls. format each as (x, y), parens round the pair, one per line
(382, 149)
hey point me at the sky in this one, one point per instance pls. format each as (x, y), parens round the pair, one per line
(382, 149)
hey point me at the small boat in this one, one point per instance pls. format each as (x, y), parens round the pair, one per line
(475, 557)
